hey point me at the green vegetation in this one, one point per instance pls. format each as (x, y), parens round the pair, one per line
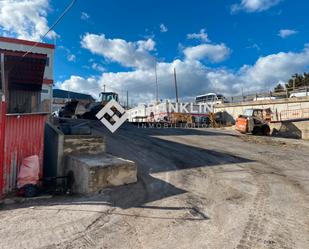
(300, 80)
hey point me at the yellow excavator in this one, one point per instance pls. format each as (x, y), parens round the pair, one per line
(108, 96)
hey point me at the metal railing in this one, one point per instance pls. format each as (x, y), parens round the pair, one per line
(269, 95)
(297, 114)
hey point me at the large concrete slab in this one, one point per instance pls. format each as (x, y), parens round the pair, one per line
(93, 173)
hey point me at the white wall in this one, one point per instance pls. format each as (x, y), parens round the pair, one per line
(47, 92)
(277, 106)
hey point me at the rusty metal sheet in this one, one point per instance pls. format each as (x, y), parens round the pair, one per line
(2, 130)
(24, 136)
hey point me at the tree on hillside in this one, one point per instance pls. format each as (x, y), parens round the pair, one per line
(279, 88)
(300, 81)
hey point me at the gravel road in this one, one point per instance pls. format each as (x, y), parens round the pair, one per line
(197, 188)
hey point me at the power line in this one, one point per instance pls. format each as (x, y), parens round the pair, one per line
(176, 88)
(156, 76)
(52, 27)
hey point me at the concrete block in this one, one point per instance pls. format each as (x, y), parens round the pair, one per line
(77, 144)
(58, 146)
(93, 173)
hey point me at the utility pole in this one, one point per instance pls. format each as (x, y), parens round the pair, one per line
(156, 75)
(176, 89)
(127, 99)
(69, 93)
(104, 87)
(294, 84)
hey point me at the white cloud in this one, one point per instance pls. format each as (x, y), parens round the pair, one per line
(80, 84)
(212, 52)
(98, 67)
(254, 5)
(163, 28)
(254, 46)
(84, 16)
(67, 52)
(202, 35)
(128, 54)
(25, 19)
(194, 78)
(284, 33)
(71, 57)
(271, 69)
(148, 45)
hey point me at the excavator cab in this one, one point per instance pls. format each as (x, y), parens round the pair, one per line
(108, 96)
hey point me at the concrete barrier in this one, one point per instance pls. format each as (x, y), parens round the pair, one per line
(92, 173)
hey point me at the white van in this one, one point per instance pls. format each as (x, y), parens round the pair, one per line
(299, 94)
(210, 98)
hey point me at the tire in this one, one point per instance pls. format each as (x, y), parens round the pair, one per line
(257, 131)
(266, 130)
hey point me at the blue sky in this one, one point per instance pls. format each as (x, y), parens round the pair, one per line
(215, 46)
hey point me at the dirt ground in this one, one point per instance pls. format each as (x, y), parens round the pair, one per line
(197, 188)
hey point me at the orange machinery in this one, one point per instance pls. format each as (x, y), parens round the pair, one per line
(255, 121)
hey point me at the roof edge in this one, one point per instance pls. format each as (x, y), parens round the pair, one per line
(26, 42)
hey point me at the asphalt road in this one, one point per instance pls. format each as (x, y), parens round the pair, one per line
(197, 188)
